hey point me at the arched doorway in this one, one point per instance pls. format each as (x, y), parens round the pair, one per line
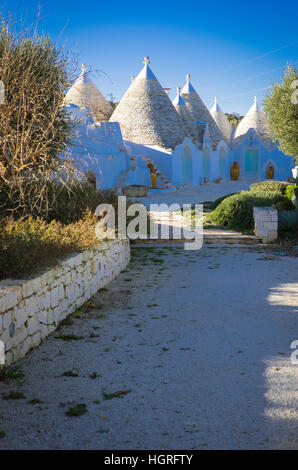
(187, 165)
(222, 163)
(206, 164)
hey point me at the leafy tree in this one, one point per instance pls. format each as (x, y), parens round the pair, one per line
(234, 120)
(281, 108)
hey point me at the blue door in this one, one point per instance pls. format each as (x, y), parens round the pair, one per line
(206, 164)
(252, 164)
(223, 164)
(187, 165)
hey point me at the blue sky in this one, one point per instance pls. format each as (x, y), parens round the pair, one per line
(226, 46)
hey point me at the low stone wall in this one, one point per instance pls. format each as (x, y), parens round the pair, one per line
(32, 309)
(266, 223)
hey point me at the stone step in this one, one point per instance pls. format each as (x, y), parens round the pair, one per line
(241, 240)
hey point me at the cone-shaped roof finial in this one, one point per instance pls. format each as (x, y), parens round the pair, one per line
(199, 112)
(146, 114)
(85, 94)
(221, 120)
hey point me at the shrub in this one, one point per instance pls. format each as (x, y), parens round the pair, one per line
(270, 186)
(66, 204)
(237, 211)
(285, 205)
(290, 191)
(213, 205)
(27, 246)
(34, 126)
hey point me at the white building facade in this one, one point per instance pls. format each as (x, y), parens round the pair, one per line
(181, 143)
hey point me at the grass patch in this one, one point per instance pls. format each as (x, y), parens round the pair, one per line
(69, 373)
(13, 395)
(35, 401)
(11, 373)
(67, 322)
(69, 337)
(77, 410)
(94, 375)
(77, 314)
(110, 396)
(2, 433)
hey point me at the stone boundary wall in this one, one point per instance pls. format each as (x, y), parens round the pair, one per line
(32, 309)
(266, 223)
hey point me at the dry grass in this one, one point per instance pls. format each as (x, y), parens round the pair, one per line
(27, 246)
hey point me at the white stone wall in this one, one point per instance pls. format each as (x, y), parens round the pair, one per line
(32, 309)
(266, 223)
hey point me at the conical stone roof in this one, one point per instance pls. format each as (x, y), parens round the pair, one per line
(84, 93)
(221, 120)
(192, 130)
(146, 114)
(199, 112)
(256, 119)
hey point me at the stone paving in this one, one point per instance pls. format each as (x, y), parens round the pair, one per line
(185, 350)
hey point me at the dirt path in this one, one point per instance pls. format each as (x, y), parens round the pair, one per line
(200, 340)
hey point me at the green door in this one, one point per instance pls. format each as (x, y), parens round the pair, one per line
(222, 163)
(252, 164)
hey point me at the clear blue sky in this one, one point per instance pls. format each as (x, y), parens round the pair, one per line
(225, 45)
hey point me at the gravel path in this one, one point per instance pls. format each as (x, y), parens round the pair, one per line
(186, 350)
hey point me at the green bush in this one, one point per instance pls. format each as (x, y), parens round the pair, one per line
(213, 205)
(285, 205)
(65, 204)
(290, 191)
(270, 186)
(236, 211)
